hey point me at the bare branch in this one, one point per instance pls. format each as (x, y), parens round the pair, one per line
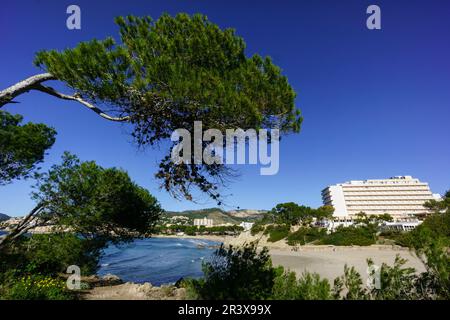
(63, 96)
(7, 95)
(35, 83)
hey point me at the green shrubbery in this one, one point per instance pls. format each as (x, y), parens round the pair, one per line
(245, 273)
(31, 267)
(35, 287)
(309, 287)
(276, 232)
(202, 230)
(235, 273)
(353, 235)
(257, 228)
(305, 235)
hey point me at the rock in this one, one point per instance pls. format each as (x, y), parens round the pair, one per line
(111, 280)
(145, 288)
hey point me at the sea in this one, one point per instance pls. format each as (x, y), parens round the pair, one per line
(157, 260)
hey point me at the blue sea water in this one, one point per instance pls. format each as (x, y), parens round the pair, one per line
(157, 260)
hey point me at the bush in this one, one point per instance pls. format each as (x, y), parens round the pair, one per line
(436, 226)
(257, 228)
(305, 235)
(277, 233)
(36, 287)
(53, 253)
(49, 254)
(235, 274)
(309, 287)
(353, 235)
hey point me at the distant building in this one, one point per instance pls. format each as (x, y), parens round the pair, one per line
(400, 196)
(246, 225)
(204, 222)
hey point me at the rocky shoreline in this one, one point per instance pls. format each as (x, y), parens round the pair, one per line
(111, 287)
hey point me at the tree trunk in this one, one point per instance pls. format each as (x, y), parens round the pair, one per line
(7, 95)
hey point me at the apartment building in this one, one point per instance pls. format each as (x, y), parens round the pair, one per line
(400, 196)
(203, 222)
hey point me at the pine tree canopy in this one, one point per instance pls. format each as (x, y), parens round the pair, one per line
(165, 74)
(22, 147)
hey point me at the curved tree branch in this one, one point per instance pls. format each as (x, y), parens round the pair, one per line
(7, 95)
(35, 83)
(63, 96)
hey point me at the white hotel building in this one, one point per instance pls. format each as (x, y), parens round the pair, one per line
(400, 196)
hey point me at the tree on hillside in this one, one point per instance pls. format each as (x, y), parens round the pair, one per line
(439, 205)
(292, 214)
(22, 147)
(324, 212)
(97, 203)
(164, 75)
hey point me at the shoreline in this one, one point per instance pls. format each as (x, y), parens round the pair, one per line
(221, 239)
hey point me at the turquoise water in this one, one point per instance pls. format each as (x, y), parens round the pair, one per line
(157, 260)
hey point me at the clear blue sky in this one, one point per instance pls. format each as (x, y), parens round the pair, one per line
(375, 103)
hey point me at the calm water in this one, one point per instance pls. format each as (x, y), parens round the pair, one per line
(156, 260)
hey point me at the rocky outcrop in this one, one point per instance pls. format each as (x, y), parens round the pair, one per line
(111, 287)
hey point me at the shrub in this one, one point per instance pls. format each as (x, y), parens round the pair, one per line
(36, 287)
(436, 226)
(309, 287)
(353, 235)
(257, 228)
(53, 253)
(305, 235)
(277, 233)
(235, 274)
(49, 254)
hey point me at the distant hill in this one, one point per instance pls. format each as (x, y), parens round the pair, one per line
(219, 216)
(4, 217)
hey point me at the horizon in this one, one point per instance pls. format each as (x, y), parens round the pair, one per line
(375, 102)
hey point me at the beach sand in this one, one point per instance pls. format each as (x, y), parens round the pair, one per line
(329, 262)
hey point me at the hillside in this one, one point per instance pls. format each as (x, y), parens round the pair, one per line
(218, 215)
(4, 217)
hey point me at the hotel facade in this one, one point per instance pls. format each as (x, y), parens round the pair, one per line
(400, 196)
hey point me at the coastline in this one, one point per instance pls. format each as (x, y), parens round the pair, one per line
(326, 260)
(221, 239)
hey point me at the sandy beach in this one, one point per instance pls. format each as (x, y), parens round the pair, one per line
(327, 261)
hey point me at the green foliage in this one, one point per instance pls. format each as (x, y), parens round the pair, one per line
(236, 274)
(277, 232)
(257, 228)
(53, 253)
(48, 255)
(352, 235)
(436, 227)
(95, 202)
(202, 230)
(22, 147)
(35, 287)
(305, 235)
(291, 214)
(349, 286)
(243, 273)
(167, 73)
(309, 287)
